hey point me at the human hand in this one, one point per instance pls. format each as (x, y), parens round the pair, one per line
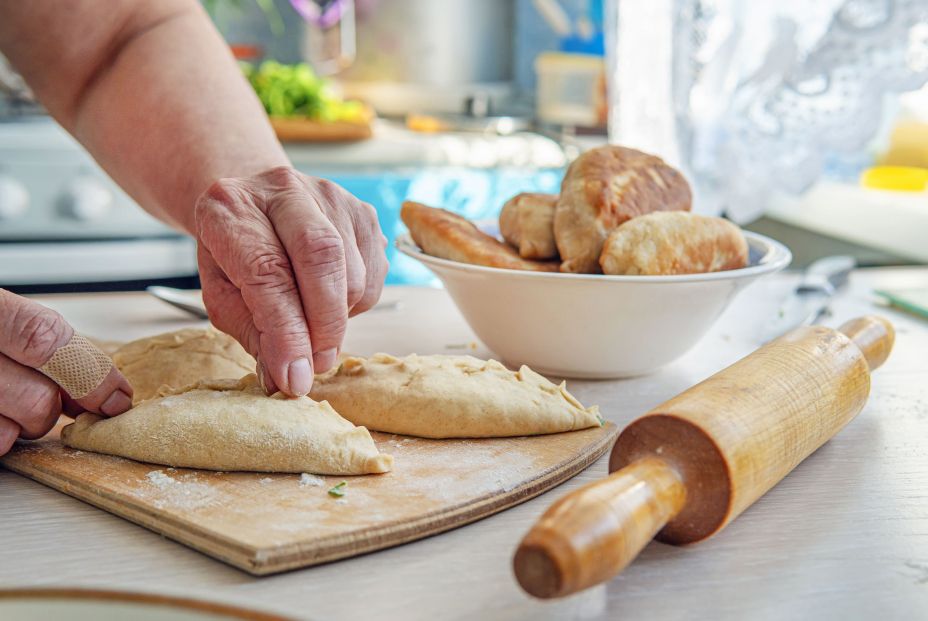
(284, 260)
(30, 402)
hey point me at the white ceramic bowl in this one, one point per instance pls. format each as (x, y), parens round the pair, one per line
(594, 326)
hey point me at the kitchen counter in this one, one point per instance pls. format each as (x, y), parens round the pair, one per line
(843, 536)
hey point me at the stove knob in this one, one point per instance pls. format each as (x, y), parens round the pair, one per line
(14, 198)
(85, 198)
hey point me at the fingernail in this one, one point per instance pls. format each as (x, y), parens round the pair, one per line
(260, 372)
(116, 403)
(324, 360)
(300, 376)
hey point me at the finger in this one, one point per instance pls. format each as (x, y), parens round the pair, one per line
(69, 406)
(9, 431)
(317, 253)
(28, 398)
(345, 212)
(112, 397)
(32, 333)
(355, 271)
(224, 304)
(229, 313)
(245, 247)
(372, 246)
(35, 333)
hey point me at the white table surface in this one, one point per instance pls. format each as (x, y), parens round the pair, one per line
(844, 536)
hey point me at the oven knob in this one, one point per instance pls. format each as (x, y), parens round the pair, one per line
(85, 198)
(14, 198)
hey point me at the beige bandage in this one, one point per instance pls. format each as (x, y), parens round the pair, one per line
(79, 366)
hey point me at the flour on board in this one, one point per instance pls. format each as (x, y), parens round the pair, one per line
(185, 492)
(311, 480)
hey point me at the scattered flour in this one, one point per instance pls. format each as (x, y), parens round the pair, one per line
(159, 479)
(341, 501)
(311, 480)
(185, 492)
(266, 481)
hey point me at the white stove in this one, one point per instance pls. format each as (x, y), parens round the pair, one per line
(64, 222)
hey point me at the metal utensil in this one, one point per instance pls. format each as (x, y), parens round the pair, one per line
(192, 301)
(189, 301)
(809, 301)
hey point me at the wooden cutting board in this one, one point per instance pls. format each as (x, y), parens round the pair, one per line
(267, 523)
(308, 130)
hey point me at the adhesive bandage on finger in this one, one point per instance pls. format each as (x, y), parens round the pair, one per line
(78, 366)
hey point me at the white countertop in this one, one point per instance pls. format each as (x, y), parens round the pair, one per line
(844, 536)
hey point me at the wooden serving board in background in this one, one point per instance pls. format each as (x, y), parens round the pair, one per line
(267, 523)
(308, 130)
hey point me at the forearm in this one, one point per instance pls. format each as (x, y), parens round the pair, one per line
(165, 110)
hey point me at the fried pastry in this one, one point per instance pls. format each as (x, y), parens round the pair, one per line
(602, 189)
(527, 224)
(446, 235)
(674, 243)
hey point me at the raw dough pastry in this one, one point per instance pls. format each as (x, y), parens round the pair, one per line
(447, 235)
(450, 397)
(605, 187)
(178, 359)
(527, 224)
(232, 425)
(674, 243)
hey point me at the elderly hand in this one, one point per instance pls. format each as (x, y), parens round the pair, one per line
(285, 259)
(30, 402)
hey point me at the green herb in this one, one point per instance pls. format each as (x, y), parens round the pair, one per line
(602, 421)
(296, 90)
(338, 490)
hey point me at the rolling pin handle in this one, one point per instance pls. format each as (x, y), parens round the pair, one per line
(591, 534)
(873, 335)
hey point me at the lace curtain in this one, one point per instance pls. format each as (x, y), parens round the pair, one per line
(752, 97)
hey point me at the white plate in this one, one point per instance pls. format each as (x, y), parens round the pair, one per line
(94, 605)
(589, 325)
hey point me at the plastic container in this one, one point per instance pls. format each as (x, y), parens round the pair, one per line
(571, 89)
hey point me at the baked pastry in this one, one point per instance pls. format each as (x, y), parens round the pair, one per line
(447, 235)
(527, 224)
(605, 187)
(674, 243)
(449, 397)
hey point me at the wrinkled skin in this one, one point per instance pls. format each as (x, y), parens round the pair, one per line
(30, 402)
(285, 259)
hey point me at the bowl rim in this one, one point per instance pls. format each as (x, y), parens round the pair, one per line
(774, 257)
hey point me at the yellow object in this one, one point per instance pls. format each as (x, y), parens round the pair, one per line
(908, 145)
(425, 123)
(897, 178)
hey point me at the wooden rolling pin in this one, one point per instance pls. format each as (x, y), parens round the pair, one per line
(691, 465)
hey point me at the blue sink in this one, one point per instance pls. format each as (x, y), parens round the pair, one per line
(474, 193)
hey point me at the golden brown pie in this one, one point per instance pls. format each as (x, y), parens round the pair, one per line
(605, 187)
(527, 224)
(447, 235)
(674, 242)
